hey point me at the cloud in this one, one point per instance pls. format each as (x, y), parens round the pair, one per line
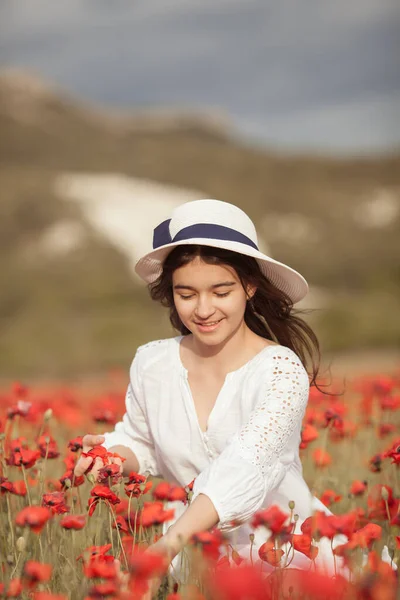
(261, 61)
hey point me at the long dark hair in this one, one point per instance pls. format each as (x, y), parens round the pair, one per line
(269, 314)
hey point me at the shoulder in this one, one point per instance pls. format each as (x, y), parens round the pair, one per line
(283, 366)
(153, 354)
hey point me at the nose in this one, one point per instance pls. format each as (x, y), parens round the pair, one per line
(204, 308)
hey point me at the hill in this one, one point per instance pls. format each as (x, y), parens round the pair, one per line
(61, 312)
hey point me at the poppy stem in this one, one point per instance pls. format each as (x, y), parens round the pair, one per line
(26, 484)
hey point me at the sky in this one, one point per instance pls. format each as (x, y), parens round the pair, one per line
(308, 75)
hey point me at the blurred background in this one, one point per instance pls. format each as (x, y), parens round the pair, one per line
(112, 113)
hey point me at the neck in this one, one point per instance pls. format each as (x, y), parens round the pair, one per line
(224, 355)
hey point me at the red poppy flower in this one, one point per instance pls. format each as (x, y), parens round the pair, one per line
(322, 525)
(105, 493)
(76, 444)
(329, 497)
(14, 589)
(99, 568)
(138, 489)
(269, 554)
(166, 491)
(386, 429)
(391, 403)
(365, 537)
(96, 552)
(375, 463)
(36, 572)
(56, 502)
(317, 585)
(190, 485)
(209, 542)
(161, 491)
(34, 517)
(121, 524)
(21, 409)
(18, 443)
(73, 522)
(303, 543)
(358, 488)
(237, 584)
(105, 415)
(321, 458)
(23, 457)
(48, 446)
(110, 473)
(394, 453)
(136, 478)
(69, 479)
(272, 518)
(143, 565)
(15, 487)
(153, 513)
(309, 433)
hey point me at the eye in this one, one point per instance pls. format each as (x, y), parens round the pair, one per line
(222, 295)
(186, 297)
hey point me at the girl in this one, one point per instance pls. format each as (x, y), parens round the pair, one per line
(221, 404)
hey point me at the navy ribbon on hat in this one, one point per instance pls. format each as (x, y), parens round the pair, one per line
(209, 231)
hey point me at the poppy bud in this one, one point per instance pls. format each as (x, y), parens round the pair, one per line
(10, 559)
(291, 504)
(48, 414)
(251, 536)
(295, 518)
(91, 478)
(67, 482)
(384, 493)
(21, 544)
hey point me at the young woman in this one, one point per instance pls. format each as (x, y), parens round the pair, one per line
(223, 402)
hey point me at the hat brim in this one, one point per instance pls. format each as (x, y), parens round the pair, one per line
(150, 266)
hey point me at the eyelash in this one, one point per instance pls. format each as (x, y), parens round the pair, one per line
(218, 295)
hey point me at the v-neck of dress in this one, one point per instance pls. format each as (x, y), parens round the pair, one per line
(228, 376)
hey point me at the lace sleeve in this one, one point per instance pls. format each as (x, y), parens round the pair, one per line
(258, 455)
(278, 413)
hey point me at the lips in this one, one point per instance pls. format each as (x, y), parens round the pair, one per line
(210, 326)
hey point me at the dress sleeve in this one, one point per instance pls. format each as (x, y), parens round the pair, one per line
(258, 455)
(133, 431)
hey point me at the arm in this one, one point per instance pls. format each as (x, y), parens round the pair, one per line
(131, 437)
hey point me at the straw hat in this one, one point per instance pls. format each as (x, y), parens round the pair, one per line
(220, 225)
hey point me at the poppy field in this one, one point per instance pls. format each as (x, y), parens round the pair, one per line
(65, 537)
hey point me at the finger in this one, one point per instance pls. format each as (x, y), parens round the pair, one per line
(90, 440)
(97, 465)
(82, 465)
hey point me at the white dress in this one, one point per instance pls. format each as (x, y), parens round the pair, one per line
(247, 460)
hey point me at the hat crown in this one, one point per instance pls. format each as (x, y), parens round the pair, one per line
(212, 212)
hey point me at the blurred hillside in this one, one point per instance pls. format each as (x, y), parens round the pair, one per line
(69, 303)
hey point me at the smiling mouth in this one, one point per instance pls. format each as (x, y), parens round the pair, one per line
(208, 324)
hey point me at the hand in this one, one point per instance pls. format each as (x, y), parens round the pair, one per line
(162, 546)
(89, 442)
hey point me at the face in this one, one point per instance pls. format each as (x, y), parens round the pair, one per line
(210, 300)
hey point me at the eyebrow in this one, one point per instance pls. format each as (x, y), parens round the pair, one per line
(216, 285)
